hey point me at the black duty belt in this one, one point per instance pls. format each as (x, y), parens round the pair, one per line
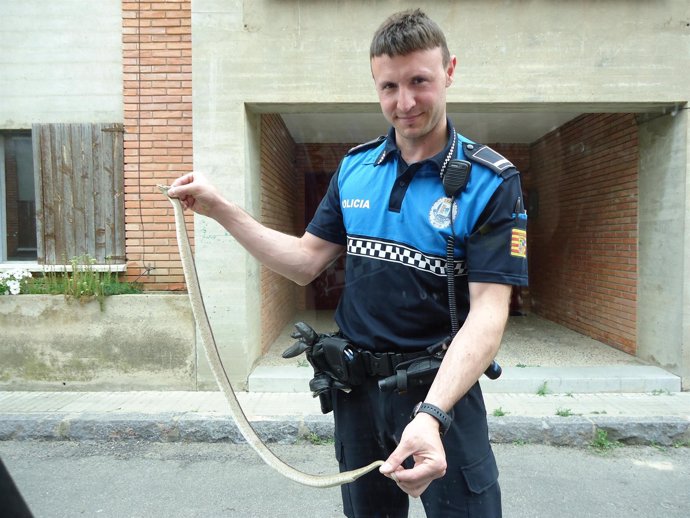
(384, 364)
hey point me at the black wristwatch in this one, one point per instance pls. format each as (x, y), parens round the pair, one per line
(435, 412)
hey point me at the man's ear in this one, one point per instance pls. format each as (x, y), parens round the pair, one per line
(450, 70)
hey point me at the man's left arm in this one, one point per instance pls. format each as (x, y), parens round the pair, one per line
(469, 355)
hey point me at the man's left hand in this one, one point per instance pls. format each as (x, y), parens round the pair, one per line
(421, 440)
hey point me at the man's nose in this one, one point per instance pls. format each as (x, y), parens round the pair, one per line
(406, 99)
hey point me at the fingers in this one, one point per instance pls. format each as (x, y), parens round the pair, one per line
(393, 466)
(195, 192)
(183, 180)
(177, 189)
(410, 483)
(394, 461)
(415, 490)
(187, 188)
(426, 448)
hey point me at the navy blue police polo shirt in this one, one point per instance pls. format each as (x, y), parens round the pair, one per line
(394, 220)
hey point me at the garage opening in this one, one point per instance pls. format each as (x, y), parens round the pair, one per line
(589, 222)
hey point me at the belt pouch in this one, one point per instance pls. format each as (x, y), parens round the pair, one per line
(344, 360)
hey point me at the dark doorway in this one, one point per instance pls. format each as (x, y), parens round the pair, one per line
(325, 291)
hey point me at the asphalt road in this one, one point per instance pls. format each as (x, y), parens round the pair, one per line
(151, 480)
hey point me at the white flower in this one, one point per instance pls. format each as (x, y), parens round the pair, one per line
(11, 282)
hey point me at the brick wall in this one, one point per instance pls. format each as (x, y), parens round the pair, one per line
(281, 209)
(316, 163)
(157, 56)
(284, 166)
(320, 158)
(519, 155)
(583, 237)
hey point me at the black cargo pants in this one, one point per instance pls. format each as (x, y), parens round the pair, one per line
(368, 426)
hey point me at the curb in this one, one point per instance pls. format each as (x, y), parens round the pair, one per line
(170, 427)
(572, 431)
(578, 431)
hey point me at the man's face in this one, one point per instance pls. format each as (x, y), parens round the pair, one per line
(412, 92)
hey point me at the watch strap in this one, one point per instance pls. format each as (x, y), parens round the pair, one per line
(442, 417)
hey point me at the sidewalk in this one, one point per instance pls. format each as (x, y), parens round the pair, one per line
(662, 419)
(585, 386)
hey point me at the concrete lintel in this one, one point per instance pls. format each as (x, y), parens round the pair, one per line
(666, 107)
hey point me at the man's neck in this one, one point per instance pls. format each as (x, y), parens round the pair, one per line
(416, 150)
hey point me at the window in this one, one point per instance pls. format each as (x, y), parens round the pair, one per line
(61, 194)
(17, 198)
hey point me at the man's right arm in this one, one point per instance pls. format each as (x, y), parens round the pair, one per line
(300, 259)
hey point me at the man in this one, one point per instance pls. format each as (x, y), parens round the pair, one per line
(387, 209)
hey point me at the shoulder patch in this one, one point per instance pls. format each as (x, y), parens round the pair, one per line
(486, 156)
(367, 145)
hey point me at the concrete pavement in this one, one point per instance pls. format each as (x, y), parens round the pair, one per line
(557, 419)
(558, 387)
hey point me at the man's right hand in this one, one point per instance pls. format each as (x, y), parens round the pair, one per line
(196, 193)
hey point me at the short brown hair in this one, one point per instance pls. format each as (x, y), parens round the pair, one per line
(406, 32)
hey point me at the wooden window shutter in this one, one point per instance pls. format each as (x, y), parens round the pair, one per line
(79, 176)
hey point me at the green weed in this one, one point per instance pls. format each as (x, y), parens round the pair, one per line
(543, 390)
(317, 440)
(83, 283)
(602, 443)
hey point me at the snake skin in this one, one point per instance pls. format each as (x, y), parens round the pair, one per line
(211, 350)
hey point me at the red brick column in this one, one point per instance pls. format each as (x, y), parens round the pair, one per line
(157, 86)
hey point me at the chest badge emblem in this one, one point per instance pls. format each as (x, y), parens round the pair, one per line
(439, 215)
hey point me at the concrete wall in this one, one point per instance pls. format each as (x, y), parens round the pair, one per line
(266, 56)
(663, 217)
(61, 62)
(317, 52)
(132, 342)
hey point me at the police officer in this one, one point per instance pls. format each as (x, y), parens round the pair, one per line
(387, 209)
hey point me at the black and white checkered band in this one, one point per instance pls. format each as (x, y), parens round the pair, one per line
(397, 253)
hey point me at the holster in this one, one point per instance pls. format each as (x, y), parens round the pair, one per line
(336, 362)
(342, 360)
(337, 365)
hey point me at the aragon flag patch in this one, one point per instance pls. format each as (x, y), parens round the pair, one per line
(518, 243)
